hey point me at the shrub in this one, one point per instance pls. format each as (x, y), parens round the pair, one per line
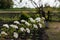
(25, 28)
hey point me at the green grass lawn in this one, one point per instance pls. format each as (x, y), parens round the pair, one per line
(18, 9)
(31, 9)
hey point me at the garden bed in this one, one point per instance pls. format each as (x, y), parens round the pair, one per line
(34, 35)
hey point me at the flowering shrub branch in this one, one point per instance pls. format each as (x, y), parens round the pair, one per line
(13, 30)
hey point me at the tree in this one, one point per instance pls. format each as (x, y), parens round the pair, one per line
(5, 4)
(39, 7)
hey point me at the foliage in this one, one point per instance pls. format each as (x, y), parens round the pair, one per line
(26, 26)
(24, 15)
(5, 4)
(6, 18)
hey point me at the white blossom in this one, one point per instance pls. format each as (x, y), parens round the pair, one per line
(43, 18)
(23, 21)
(14, 26)
(28, 24)
(32, 20)
(40, 25)
(17, 22)
(28, 30)
(3, 32)
(22, 29)
(38, 19)
(6, 25)
(15, 35)
(35, 26)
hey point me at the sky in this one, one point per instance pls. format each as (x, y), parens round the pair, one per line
(27, 3)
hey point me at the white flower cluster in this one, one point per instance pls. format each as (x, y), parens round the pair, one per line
(26, 23)
(15, 34)
(43, 18)
(38, 19)
(14, 26)
(40, 25)
(3, 32)
(35, 26)
(28, 30)
(31, 22)
(23, 21)
(6, 25)
(17, 22)
(22, 29)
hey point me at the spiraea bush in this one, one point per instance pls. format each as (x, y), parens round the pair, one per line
(25, 29)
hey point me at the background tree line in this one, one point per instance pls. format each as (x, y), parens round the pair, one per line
(5, 4)
(9, 3)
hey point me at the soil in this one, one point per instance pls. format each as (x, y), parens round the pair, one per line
(54, 31)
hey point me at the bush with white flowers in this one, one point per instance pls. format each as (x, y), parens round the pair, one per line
(13, 30)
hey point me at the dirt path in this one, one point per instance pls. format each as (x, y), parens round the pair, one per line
(55, 26)
(54, 31)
